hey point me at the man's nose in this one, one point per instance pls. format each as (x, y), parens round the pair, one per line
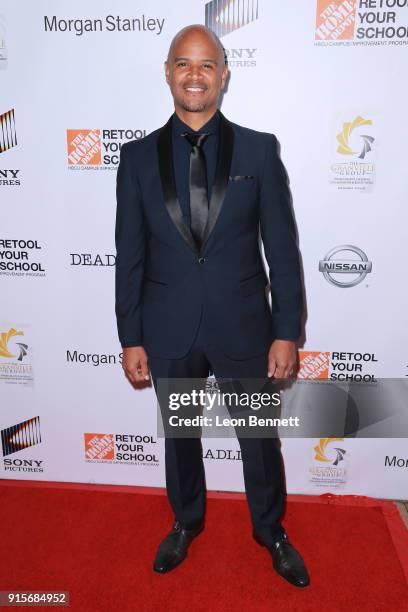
(195, 71)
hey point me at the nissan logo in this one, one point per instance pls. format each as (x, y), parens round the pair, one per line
(342, 264)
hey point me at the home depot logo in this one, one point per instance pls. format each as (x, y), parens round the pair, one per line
(313, 365)
(335, 19)
(99, 446)
(84, 147)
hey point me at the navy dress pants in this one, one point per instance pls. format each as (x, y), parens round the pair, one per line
(261, 457)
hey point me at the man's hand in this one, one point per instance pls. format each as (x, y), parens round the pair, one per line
(281, 358)
(134, 364)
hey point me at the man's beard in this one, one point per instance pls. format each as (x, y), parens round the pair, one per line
(194, 107)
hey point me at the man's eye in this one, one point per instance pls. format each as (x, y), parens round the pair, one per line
(207, 65)
(180, 64)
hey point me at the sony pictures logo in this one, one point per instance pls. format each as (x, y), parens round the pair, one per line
(8, 140)
(17, 438)
(226, 16)
(345, 266)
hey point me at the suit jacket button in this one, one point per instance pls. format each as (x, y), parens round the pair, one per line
(201, 260)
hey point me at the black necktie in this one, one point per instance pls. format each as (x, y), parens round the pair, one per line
(198, 186)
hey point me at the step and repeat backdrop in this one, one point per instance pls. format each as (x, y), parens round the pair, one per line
(79, 79)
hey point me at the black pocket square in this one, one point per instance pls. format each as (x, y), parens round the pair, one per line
(241, 177)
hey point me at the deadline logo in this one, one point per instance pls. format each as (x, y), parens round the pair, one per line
(84, 147)
(320, 451)
(20, 436)
(4, 345)
(343, 138)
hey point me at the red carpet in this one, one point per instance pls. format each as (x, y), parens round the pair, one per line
(99, 542)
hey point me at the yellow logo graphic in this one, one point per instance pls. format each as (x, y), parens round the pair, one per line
(320, 450)
(4, 340)
(344, 136)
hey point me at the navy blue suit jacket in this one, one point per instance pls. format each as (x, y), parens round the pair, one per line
(164, 282)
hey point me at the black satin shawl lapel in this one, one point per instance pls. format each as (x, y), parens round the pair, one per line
(224, 157)
(165, 155)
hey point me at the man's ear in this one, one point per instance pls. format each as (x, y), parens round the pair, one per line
(224, 76)
(166, 71)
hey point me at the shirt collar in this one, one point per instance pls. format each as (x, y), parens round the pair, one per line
(211, 127)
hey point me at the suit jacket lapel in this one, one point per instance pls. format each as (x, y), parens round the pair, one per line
(165, 154)
(222, 172)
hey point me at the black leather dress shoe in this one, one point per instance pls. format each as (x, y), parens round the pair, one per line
(173, 549)
(287, 561)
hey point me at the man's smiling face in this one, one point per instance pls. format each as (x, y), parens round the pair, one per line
(195, 71)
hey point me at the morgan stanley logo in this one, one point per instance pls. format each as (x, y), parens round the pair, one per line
(225, 16)
(20, 436)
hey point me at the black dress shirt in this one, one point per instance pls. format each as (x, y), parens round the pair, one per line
(181, 158)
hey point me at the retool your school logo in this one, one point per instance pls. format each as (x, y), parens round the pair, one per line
(129, 449)
(361, 22)
(97, 149)
(338, 365)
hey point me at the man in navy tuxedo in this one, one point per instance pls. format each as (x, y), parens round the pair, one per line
(193, 197)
